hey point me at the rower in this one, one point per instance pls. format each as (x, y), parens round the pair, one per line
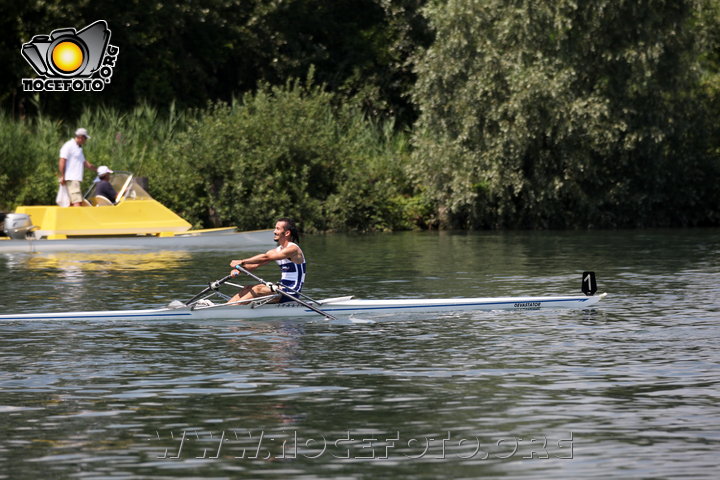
(288, 256)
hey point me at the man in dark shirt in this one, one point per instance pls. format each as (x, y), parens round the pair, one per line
(103, 187)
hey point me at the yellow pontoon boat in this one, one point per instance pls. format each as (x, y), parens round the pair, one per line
(111, 223)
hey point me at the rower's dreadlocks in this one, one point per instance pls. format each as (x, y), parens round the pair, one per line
(290, 225)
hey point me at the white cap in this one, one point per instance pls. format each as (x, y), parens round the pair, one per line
(102, 170)
(81, 132)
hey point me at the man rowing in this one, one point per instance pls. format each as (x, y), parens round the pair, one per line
(288, 256)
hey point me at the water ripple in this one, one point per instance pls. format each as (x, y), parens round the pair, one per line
(630, 389)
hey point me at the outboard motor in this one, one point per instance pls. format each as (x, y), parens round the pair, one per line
(17, 225)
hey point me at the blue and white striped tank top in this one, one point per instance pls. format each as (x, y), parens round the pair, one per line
(293, 274)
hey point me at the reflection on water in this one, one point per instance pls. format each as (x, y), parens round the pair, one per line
(629, 390)
(90, 280)
(74, 263)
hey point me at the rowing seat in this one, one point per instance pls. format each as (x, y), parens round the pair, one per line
(102, 201)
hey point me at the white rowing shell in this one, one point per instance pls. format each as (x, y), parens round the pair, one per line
(342, 306)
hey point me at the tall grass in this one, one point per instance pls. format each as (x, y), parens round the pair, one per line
(30, 148)
(28, 160)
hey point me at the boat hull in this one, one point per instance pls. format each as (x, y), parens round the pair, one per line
(336, 308)
(222, 239)
(138, 217)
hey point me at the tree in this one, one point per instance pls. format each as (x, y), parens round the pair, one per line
(189, 53)
(552, 114)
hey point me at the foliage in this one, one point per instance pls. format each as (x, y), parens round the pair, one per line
(281, 152)
(190, 53)
(563, 114)
(25, 149)
(124, 141)
(449, 113)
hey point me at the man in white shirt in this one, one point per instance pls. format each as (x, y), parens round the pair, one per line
(72, 164)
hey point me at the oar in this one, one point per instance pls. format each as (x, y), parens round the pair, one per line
(282, 292)
(294, 292)
(211, 286)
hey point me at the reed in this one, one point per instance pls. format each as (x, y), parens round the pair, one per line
(121, 140)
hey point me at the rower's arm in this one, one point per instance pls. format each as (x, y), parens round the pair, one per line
(271, 255)
(61, 167)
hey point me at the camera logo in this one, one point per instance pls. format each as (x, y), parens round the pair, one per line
(71, 60)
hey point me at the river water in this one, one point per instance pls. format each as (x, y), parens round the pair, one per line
(629, 389)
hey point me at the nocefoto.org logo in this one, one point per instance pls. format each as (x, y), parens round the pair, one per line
(71, 61)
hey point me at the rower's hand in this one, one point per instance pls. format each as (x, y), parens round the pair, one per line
(235, 272)
(234, 264)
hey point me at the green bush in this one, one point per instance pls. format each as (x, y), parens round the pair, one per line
(289, 151)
